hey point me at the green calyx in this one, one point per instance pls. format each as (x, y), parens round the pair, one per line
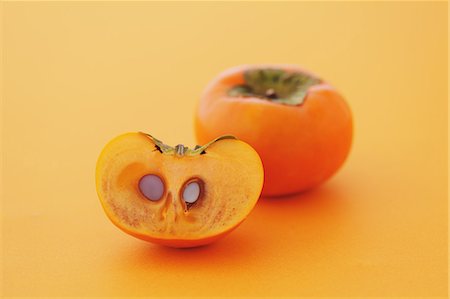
(181, 150)
(275, 85)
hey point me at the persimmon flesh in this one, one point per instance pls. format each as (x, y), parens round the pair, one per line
(177, 196)
(299, 124)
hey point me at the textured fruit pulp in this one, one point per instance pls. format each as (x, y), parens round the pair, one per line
(224, 201)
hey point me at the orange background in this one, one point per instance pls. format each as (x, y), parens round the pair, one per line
(76, 75)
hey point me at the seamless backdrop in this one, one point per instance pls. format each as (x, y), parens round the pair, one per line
(78, 74)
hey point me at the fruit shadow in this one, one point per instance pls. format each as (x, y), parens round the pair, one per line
(234, 248)
(273, 221)
(327, 201)
(303, 218)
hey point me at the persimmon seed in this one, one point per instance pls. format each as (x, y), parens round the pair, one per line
(151, 186)
(191, 192)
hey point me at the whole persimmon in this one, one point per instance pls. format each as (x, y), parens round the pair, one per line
(177, 196)
(298, 123)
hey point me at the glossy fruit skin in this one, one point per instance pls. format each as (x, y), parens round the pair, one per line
(300, 146)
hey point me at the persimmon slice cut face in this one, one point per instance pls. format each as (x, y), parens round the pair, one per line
(178, 196)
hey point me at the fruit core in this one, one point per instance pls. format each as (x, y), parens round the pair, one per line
(152, 187)
(275, 85)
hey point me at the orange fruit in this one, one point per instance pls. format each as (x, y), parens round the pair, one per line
(177, 196)
(299, 124)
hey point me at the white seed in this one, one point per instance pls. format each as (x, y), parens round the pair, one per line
(152, 187)
(191, 192)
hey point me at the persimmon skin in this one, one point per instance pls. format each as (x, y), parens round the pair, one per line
(179, 243)
(300, 146)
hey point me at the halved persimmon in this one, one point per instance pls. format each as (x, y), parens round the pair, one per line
(177, 196)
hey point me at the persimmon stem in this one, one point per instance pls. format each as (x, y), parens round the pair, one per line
(180, 149)
(275, 85)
